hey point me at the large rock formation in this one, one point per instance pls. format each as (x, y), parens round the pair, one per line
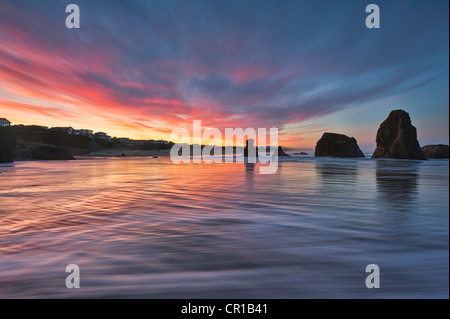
(397, 138)
(7, 145)
(49, 152)
(337, 145)
(436, 151)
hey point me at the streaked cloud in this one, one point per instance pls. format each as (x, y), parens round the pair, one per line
(139, 68)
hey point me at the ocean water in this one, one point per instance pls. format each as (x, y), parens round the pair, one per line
(147, 228)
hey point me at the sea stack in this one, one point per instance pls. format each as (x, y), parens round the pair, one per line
(436, 151)
(281, 152)
(7, 145)
(397, 138)
(250, 149)
(337, 145)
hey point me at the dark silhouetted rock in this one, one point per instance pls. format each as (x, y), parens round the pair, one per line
(301, 153)
(281, 152)
(7, 145)
(337, 145)
(397, 138)
(435, 151)
(48, 152)
(250, 148)
(23, 155)
(93, 146)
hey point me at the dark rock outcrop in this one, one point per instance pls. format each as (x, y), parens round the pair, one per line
(49, 152)
(397, 138)
(337, 145)
(7, 145)
(250, 148)
(436, 151)
(281, 152)
(93, 146)
(23, 155)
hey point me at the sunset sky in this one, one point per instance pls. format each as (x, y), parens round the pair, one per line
(141, 68)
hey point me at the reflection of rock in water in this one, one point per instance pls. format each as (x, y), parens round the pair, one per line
(345, 172)
(397, 183)
(249, 174)
(250, 167)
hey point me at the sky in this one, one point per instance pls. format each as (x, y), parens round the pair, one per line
(142, 68)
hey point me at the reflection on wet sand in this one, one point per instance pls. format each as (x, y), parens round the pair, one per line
(250, 174)
(250, 167)
(344, 172)
(146, 228)
(397, 183)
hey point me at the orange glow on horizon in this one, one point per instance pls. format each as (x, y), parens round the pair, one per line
(24, 114)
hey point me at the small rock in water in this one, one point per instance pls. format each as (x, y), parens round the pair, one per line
(281, 152)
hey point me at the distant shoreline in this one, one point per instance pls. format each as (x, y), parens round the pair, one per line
(125, 152)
